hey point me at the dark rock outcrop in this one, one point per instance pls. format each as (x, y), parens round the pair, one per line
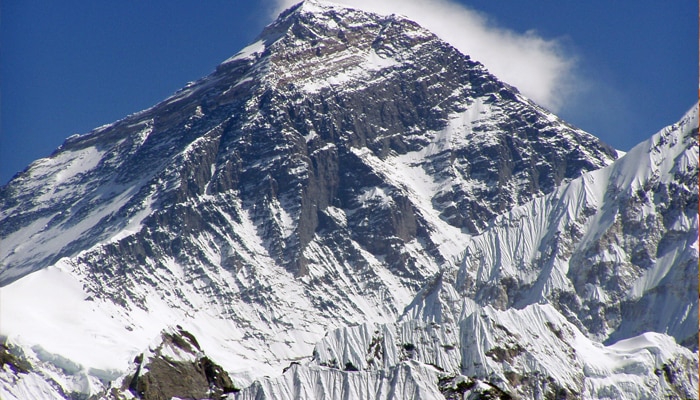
(176, 368)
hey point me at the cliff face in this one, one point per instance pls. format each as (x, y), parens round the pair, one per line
(324, 176)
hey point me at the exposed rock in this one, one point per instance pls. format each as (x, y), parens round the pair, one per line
(176, 367)
(11, 358)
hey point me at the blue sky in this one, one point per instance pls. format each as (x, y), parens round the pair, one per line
(67, 67)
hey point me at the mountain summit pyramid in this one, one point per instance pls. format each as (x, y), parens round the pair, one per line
(352, 208)
(308, 95)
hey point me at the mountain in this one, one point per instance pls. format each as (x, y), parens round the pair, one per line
(352, 201)
(452, 341)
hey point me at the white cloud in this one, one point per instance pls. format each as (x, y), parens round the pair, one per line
(535, 65)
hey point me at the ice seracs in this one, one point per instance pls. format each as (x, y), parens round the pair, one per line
(531, 353)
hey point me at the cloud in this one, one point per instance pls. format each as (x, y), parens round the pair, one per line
(537, 66)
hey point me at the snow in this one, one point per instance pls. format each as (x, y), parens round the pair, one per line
(338, 215)
(249, 51)
(345, 67)
(96, 335)
(544, 346)
(311, 136)
(409, 381)
(52, 176)
(26, 386)
(67, 184)
(285, 221)
(406, 173)
(375, 196)
(518, 235)
(52, 300)
(47, 242)
(175, 353)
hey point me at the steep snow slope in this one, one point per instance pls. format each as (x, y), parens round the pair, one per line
(612, 250)
(262, 205)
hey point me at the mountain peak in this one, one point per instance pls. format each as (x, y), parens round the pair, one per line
(314, 6)
(323, 177)
(353, 86)
(349, 42)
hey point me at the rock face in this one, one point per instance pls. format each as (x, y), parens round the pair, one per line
(175, 367)
(264, 205)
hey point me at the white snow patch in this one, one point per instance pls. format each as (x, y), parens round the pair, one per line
(355, 68)
(375, 195)
(338, 215)
(53, 300)
(311, 136)
(249, 51)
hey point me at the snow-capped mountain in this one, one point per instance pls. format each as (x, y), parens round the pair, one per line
(352, 201)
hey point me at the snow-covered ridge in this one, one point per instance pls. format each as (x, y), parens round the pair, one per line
(616, 222)
(351, 44)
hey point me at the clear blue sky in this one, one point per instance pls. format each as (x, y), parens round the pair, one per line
(67, 67)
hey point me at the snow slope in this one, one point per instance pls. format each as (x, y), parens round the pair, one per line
(612, 249)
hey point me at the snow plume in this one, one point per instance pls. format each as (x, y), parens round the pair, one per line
(538, 67)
